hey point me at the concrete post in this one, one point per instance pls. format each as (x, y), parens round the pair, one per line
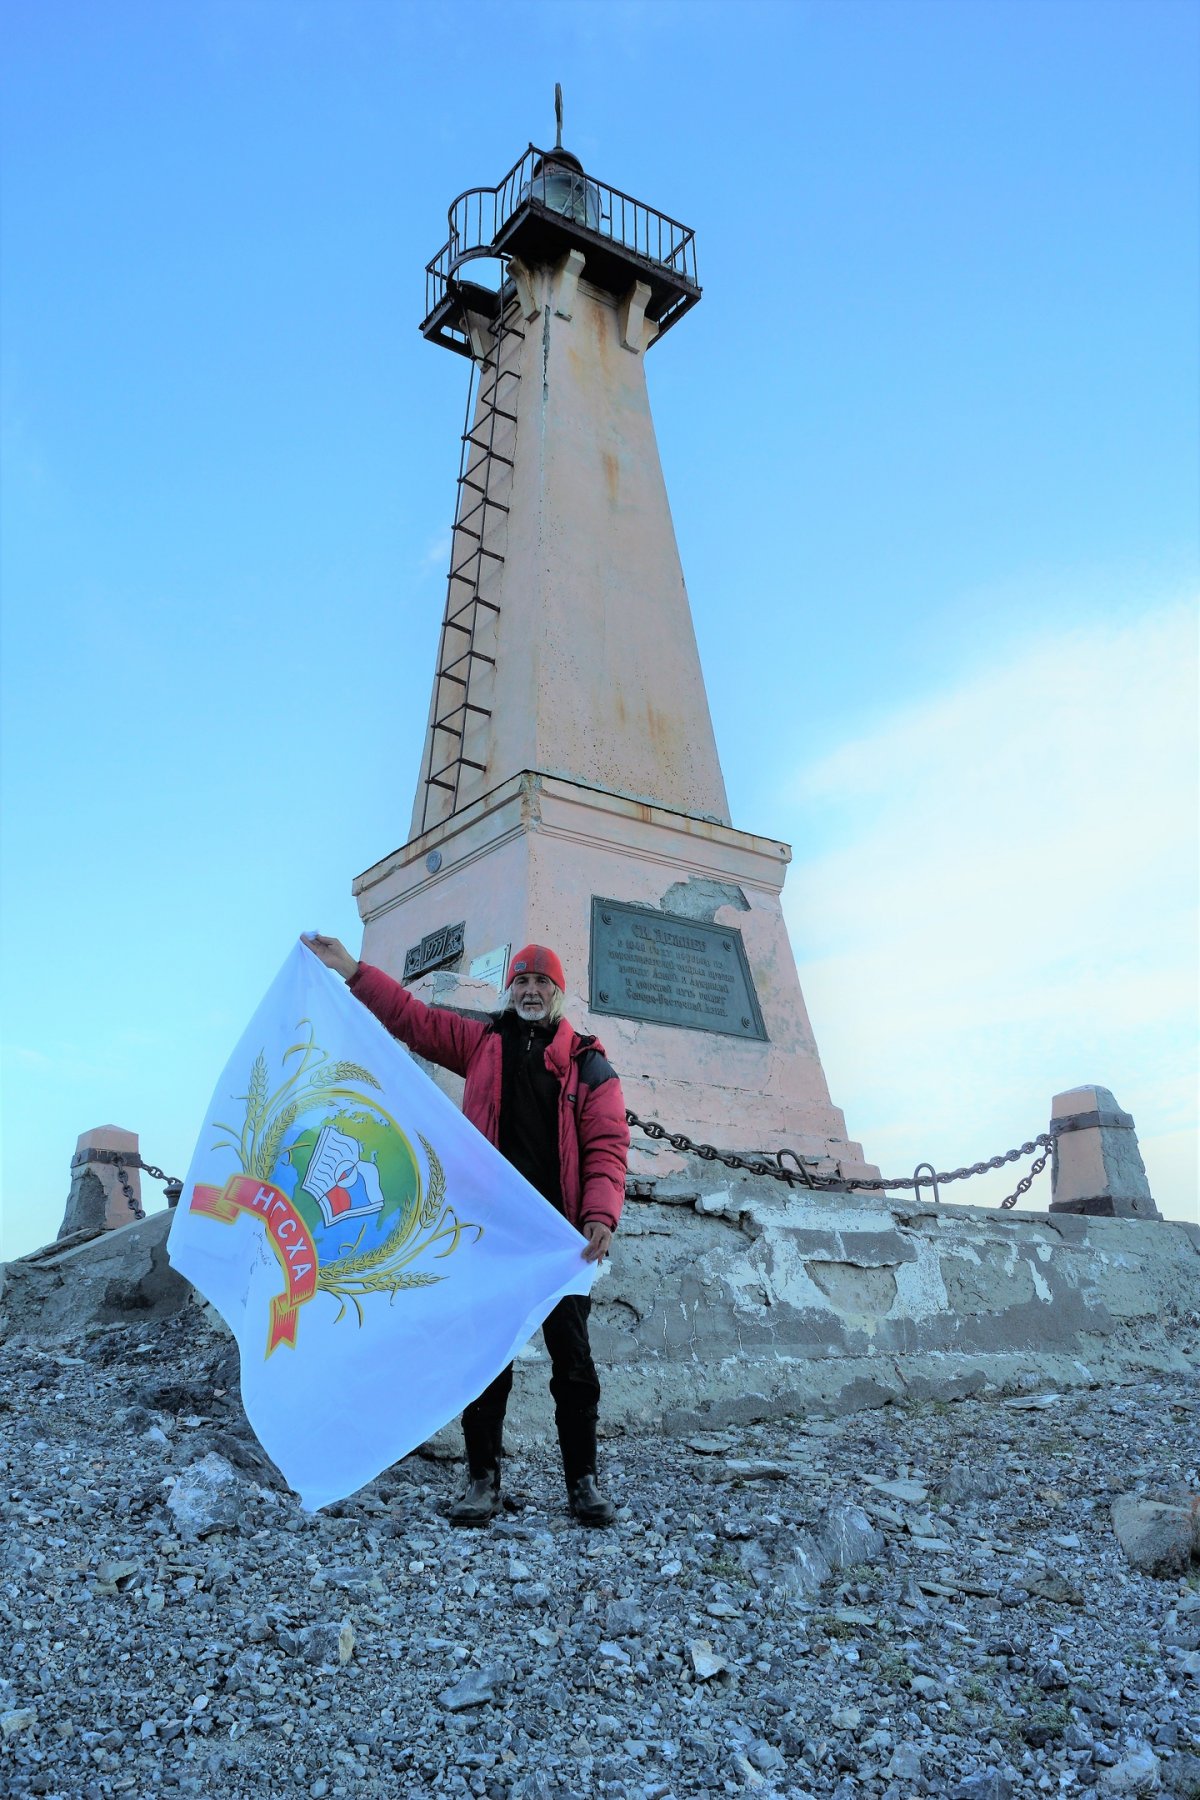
(103, 1194)
(1096, 1166)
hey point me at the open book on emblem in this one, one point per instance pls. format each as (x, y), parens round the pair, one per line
(341, 1183)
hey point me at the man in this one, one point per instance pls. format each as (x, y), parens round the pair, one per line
(552, 1105)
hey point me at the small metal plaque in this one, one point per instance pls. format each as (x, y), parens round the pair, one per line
(435, 950)
(491, 966)
(671, 971)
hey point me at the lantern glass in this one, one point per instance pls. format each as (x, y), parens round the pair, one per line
(572, 195)
(566, 190)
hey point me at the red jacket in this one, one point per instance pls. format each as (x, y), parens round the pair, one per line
(593, 1137)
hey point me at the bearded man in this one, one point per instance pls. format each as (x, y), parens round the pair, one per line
(551, 1103)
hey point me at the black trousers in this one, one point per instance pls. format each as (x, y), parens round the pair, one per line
(573, 1383)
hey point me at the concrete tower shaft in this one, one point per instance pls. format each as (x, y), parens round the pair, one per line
(583, 661)
(567, 646)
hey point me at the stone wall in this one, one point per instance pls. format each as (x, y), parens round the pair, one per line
(123, 1273)
(750, 1301)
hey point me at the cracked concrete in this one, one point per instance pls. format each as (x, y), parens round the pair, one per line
(120, 1273)
(757, 1302)
(700, 898)
(749, 1301)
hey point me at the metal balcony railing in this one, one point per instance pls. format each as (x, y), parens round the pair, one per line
(479, 216)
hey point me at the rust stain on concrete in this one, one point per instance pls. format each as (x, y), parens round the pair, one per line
(602, 331)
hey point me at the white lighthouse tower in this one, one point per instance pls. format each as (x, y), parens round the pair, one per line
(570, 790)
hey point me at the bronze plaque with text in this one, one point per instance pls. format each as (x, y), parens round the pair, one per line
(671, 971)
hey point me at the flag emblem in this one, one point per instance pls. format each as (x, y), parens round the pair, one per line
(346, 1204)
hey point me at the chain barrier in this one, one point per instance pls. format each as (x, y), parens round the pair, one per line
(804, 1172)
(752, 1165)
(1026, 1182)
(806, 1167)
(122, 1161)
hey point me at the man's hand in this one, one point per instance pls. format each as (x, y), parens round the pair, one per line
(599, 1238)
(332, 952)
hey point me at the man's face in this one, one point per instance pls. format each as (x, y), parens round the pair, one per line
(532, 995)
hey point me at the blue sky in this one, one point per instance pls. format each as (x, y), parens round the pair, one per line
(931, 443)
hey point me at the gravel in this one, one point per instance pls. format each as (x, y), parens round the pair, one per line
(919, 1600)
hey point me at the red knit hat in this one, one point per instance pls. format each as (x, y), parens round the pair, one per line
(535, 959)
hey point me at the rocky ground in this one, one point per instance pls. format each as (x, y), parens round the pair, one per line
(903, 1602)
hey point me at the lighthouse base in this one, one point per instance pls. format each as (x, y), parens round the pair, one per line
(534, 861)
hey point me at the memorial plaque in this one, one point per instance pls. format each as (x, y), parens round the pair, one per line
(671, 971)
(435, 950)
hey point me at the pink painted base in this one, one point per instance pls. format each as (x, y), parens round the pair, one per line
(524, 862)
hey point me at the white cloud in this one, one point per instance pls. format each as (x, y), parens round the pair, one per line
(435, 557)
(1010, 908)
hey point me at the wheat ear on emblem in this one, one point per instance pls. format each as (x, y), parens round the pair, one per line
(316, 1082)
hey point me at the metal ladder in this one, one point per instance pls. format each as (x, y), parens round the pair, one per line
(484, 483)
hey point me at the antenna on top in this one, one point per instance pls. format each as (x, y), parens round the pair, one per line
(558, 113)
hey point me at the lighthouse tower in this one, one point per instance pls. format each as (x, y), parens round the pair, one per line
(570, 790)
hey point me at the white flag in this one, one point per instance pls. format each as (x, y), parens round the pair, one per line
(376, 1259)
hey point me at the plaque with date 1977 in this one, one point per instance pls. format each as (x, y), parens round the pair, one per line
(671, 971)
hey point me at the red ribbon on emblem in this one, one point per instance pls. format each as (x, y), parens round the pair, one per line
(287, 1235)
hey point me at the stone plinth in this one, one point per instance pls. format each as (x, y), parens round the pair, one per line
(757, 1304)
(1097, 1168)
(754, 1303)
(103, 1194)
(122, 1276)
(524, 863)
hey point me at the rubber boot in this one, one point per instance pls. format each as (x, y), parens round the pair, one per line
(577, 1441)
(481, 1500)
(588, 1504)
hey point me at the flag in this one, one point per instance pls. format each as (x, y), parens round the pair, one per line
(376, 1259)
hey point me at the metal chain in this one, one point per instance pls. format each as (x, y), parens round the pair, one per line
(135, 1206)
(803, 1171)
(709, 1153)
(121, 1161)
(1026, 1182)
(979, 1168)
(872, 1184)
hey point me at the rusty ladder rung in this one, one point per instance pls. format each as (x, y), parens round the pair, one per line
(495, 412)
(470, 655)
(452, 619)
(459, 762)
(464, 706)
(465, 481)
(491, 455)
(496, 556)
(475, 600)
(498, 376)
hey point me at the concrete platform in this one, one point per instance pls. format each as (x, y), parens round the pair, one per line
(752, 1302)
